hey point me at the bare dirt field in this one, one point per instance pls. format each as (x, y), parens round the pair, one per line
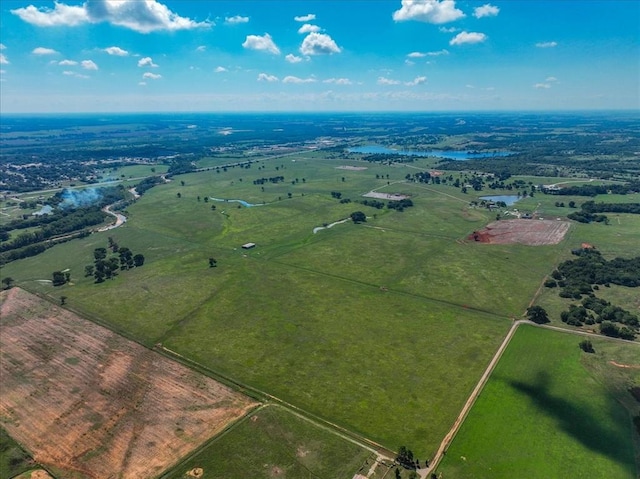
(529, 232)
(352, 168)
(92, 404)
(386, 196)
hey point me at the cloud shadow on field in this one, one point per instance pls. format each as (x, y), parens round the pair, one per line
(577, 418)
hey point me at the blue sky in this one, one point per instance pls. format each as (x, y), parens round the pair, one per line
(329, 55)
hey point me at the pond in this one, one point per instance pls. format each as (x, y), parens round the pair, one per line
(507, 199)
(460, 155)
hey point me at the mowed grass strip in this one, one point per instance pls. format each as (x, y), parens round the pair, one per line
(276, 443)
(549, 411)
(392, 367)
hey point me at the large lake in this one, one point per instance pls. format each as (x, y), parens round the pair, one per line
(449, 154)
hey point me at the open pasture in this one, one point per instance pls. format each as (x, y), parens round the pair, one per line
(272, 443)
(382, 327)
(551, 410)
(88, 403)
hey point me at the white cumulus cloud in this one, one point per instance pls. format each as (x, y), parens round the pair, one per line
(551, 79)
(308, 28)
(292, 79)
(143, 16)
(305, 18)
(88, 65)
(387, 81)
(417, 81)
(2, 46)
(267, 78)
(546, 44)
(236, 19)
(201, 48)
(44, 51)
(417, 55)
(468, 37)
(291, 58)
(68, 62)
(542, 86)
(146, 62)
(261, 43)
(3, 59)
(220, 70)
(338, 81)
(318, 44)
(151, 76)
(428, 11)
(117, 51)
(486, 10)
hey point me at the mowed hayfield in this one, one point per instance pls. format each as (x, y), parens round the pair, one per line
(382, 328)
(273, 442)
(552, 410)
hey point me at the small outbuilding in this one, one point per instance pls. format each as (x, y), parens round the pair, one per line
(248, 245)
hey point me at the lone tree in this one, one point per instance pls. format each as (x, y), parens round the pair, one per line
(587, 346)
(63, 300)
(405, 458)
(358, 217)
(8, 282)
(212, 263)
(537, 314)
(138, 260)
(59, 278)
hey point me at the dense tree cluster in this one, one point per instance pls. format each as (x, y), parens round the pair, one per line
(584, 275)
(106, 265)
(593, 207)
(594, 190)
(144, 185)
(273, 179)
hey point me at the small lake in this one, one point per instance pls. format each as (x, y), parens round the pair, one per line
(508, 199)
(449, 154)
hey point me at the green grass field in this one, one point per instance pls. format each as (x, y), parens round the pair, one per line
(275, 443)
(382, 328)
(13, 459)
(551, 410)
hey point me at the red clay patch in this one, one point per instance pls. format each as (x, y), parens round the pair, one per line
(529, 232)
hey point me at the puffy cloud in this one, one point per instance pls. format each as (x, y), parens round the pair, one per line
(318, 44)
(142, 83)
(146, 62)
(74, 74)
(416, 81)
(449, 29)
(3, 59)
(117, 51)
(305, 18)
(220, 70)
(308, 28)
(542, 86)
(44, 51)
(68, 62)
(235, 20)
(143, 16)
(429, 11)
(468, 37)
(151, 76)
(486, 10)
(60, 15)
(417, 55)
(546, 44)
(339, 81)
(88, 65)
(261, 43)
(201, 48)
(2, 46)
(387, 81)
(292, 79)
(267, 78)
(291, 58)
(551, 79)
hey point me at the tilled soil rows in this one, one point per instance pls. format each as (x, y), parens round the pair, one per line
(90, 403)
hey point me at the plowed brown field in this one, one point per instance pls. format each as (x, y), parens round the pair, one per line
(90, 403)
(529, 232)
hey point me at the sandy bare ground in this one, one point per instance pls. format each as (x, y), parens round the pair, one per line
(529, 232)
(386, 196)
(352, 168)
(93, 404)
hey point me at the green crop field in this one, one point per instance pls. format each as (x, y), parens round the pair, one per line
(275, 443)
(551, 410)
